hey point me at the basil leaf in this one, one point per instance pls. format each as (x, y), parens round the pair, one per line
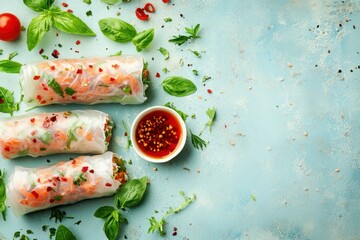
(178, 86)
(165, 53)
(131, 193)
(117, 30)
(63, 233)
(7, 103)
(2, 195)
(69, 23)
(111, 227)
(54, 85)
(111, 2)
(8, 66)
(103, 212)
(39, 5)
(36, 30)
(143, 39)
(69, 91)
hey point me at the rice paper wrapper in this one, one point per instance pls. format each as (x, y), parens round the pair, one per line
(116, 79)
(33, 189)
(39, 134)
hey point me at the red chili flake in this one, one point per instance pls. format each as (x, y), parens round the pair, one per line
(90, 66)
(38, 97)
(41, 51)
(91, 171)
(32, 120)
(112, 79)
(48, 189)
(34, 140)
(52, 68)
(33, 133)
(55, 53)
(46, 123)
(54, 184)
(77, 42)
(174, 233)
(84, 169)
(149, 8)
(53, 118)
(157, 75)
(1, 100)
(36, 77)
(79, 71)
(100, 69)
(38, 180)
(70, 11)
(73, 97)
(115, 66)
(64, 4)
(64, 179)
(140, 14)
(57, 178)
(209, 91)
(73, 162)
(7, 149)
(108, 184)
(52, 200)
(35, 194)
(43, 102)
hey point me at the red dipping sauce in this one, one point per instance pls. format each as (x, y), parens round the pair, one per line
(158, 133)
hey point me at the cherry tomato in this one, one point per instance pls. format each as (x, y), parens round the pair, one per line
(10, 27)
(140, 13)
(149, 8)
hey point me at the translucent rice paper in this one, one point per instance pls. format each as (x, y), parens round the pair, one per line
(39, 134)
(85, 80)
(33, 189)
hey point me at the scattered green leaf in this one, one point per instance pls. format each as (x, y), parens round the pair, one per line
(7, 103)
(211, 112)
(168, 19)
(9, 66)
(165, 53)
(2, 195)
(196, 53)
(58, 215)
(197, 142)
(117, 30)
(181, 113)
(89, 13)
(131, 193)
(143, 39)
(181, 39)
(63, 233)
(12, 55)
(178, 86)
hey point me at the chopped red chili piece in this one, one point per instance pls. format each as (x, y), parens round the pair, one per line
(57, 179)
(149, 8)
(52, 68)
(209, 91)
(54, 184)
(77, 42)
(7, 149)
(41, 51)
(115, 66)
(53, 118)
(84, 169)
(140, 14)
(52, 200)
(73, 162)
(46, 122)
(166, 1)
(34, 140)
(38, 97)
(100, 69)
(70, 11)
(79, 71)
(64, 4)
(48, 189)
(64, 179)
(55, 53)
(43, 102)
(73, 97)
(90, 66)
(38, 180)
(112, 79)
(36, 77)
(92, 171)
(35, 194)
(108, 184)
(157, 75)
(32, 120)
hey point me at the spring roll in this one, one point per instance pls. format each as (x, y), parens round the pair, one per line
(86, 80)
(39, 134)
(33, 189)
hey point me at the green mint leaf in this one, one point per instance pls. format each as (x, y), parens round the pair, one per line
(165, 53)
(16, 234)
(179, 40)
(55, 86)
(37, 28)
(118, 53)
(7, 103)
(197, 142)
(193, 31)
(87, 2)
(89, 13)
(46, 137)
(111, 227)
(181, 113)
(103, 212)
(8, 66)
(63, 233)
(195, 72)
(39, 5)
(69, 23)
(178, 86)
(29, 232)
(69, 91)
(143, 39)
(117, 30)
(131, 193)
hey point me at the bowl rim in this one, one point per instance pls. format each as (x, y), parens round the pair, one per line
(180, 145)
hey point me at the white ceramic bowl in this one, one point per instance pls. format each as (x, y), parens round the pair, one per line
(180, 144)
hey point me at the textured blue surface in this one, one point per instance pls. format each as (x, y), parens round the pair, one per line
(283, 157)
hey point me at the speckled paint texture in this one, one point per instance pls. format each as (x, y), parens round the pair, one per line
(283, 156)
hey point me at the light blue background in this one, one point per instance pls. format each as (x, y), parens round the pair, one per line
(286, 132)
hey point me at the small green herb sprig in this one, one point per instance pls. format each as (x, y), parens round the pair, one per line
(156, 225)
(58, 215)
(193, 33)
(197, 142)
(2, 195)
(129, 195)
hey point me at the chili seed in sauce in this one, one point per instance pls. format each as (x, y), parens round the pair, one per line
(158, 134)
